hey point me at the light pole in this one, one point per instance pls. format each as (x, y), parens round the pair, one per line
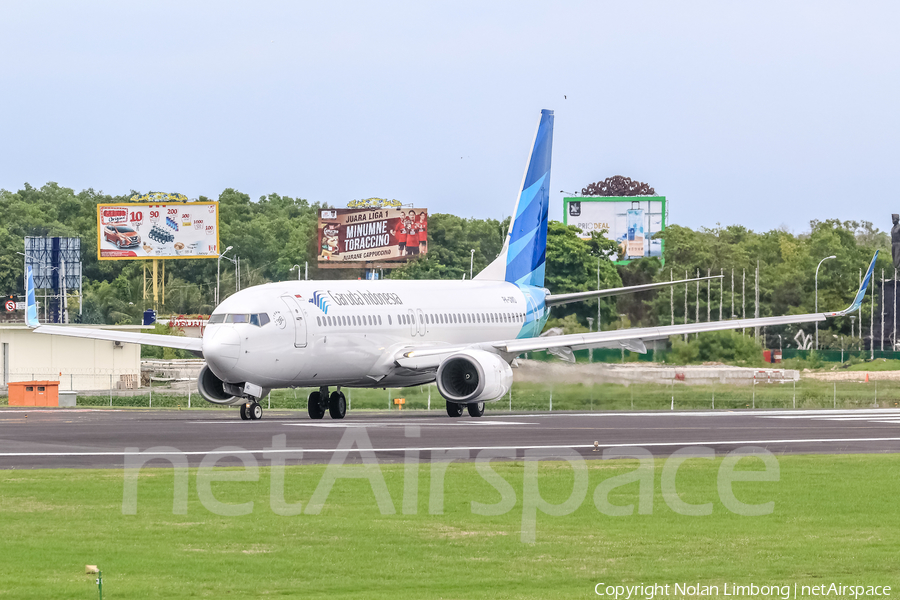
(817, 295)
(298, 271)
(218, 270)
(471, 263)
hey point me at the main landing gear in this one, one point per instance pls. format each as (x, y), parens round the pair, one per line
(251, 410)
(456, 410)
(320, 401)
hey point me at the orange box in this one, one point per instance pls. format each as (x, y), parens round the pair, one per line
(34, 393)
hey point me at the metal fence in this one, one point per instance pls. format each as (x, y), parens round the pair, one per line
(175, 392)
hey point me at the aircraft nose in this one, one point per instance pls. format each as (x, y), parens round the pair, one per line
(222, 350)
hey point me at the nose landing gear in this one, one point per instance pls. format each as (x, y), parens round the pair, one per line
(320, 401)
(251, 411)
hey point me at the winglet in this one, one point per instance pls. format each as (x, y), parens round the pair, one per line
(31, 318)
(861, 293)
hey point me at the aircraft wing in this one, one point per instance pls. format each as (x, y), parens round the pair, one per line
(557, 299)
(632, 339)
(126, 337)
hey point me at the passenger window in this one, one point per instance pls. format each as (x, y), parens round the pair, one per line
(318, 321)
(215, 319)
(40, 388)
(29, 388)
(371, 322)
(379, 319)
(389, 320)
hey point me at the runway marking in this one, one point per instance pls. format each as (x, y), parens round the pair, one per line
(482, 423)
(374, 423)
(446, 448)
(335, 425)
(773, 414)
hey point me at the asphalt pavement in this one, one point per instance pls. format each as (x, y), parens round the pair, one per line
(103, 438)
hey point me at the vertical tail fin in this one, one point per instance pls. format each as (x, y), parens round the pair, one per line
(31, 318)
(524, 254)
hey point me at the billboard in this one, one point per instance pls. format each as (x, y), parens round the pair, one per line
(138, 230)
(375, 234)
(630, 221)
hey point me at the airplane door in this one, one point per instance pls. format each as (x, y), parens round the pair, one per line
(422, 322)
(299, 321)
(413, 327)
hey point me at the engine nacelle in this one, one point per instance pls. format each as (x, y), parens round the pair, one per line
(474, 376)
(215, 390)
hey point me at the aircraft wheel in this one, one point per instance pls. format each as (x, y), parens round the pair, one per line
(255, 411)
(337, 405)
(314, 406)
(245, 412)
(476, 409)
(454, 409)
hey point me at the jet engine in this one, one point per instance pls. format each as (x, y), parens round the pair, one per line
(473, 376)
(215, 390)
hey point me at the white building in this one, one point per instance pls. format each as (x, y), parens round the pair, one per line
(77, 363)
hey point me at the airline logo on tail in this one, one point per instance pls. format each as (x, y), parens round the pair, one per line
(527, 252)
(522, 260)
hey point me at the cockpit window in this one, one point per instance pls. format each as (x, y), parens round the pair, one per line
(258, 319)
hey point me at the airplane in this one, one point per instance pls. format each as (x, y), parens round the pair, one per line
(462, 335)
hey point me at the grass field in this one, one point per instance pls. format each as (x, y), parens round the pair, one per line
(835, 519)
(807, 393)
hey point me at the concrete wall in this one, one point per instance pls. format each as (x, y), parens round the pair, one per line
(77, 363)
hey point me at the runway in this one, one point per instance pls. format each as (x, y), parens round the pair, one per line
(88, 438)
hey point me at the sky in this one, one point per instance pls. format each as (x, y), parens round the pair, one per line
(762, 114)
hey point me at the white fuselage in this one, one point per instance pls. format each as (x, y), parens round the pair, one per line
(321, 333)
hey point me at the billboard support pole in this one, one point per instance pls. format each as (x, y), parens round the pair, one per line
(155, 284)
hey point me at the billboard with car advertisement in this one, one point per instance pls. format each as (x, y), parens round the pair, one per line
(137, 230)
(631, 221)
(374, 234)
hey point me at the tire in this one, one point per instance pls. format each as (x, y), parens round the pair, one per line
(476, 409)
(255, 411)
(454, 409)
(337, 405)
(119, 244)
(314, 406)
(245, 412)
